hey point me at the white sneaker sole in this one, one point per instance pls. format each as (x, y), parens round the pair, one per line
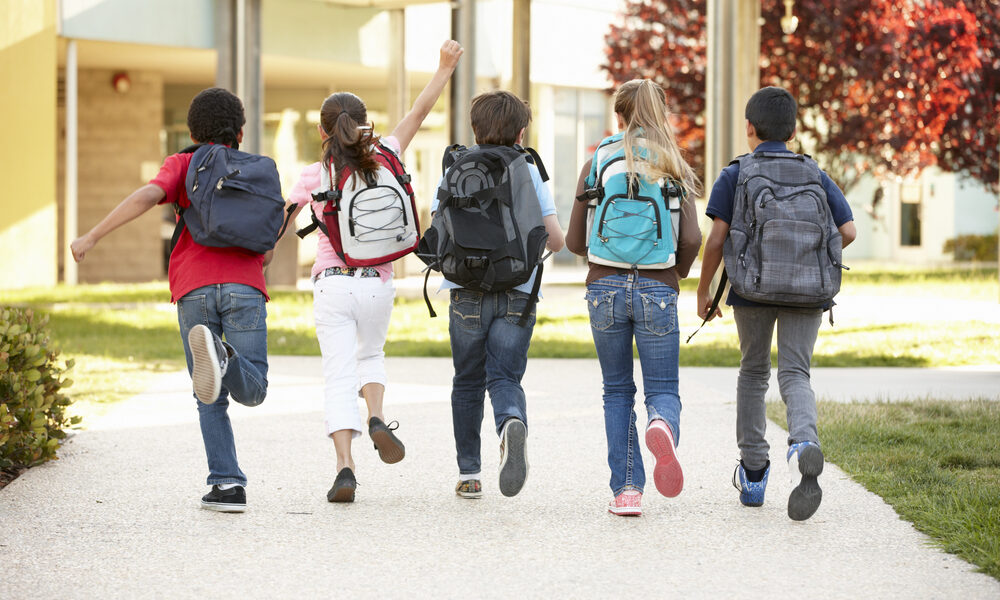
(205, 372)
(628, 511)
(227, 508)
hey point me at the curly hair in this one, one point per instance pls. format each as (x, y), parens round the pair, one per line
(216, 116)
(344, 119)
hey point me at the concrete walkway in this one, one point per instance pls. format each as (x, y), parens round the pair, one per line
(118, 515)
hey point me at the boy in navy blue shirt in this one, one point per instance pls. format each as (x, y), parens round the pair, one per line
(771, 114)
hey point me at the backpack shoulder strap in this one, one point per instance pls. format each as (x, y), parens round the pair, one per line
(534, 159)
(449, 156)
(395, 165)
(179, 227)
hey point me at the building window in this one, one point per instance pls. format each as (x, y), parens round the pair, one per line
(580, 123)
(909, 214)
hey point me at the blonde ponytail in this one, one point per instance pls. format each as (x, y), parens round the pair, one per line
(642, 105)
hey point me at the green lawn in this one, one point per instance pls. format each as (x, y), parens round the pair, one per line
(937, 463)
(123, 334)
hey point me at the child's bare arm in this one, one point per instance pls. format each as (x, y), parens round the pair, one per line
(710, 262)
(848, 232)
(137, 203)
(556, 240)
(407, 128)
(576, 235)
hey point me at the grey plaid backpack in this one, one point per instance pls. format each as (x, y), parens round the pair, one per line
(783, 246)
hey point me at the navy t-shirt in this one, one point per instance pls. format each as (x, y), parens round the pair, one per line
(720, 203)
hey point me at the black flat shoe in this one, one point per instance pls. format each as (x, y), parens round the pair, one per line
(390, 449)
(343, 487)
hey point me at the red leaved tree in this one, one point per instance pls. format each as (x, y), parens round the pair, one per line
(885, 86)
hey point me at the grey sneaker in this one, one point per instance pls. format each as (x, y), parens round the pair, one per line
(805, 463)
(210, 360)
(513, 457)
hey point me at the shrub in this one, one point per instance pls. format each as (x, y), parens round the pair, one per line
(32, 408)
(973, 247)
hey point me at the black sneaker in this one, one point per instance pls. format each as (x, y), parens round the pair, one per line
(513, 458)
(343, 487)
(209, 360)
(232, 500)
(390, 449)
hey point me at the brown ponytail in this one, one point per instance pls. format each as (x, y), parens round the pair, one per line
(349, 141)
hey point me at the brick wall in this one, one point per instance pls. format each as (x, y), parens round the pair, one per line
(118, 132)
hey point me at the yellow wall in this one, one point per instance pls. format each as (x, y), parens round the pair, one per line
(28, 153)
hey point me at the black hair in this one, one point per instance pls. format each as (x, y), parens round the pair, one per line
(216, 116)
(772, 111)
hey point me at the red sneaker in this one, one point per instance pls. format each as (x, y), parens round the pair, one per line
(667, 475)
(626, 504)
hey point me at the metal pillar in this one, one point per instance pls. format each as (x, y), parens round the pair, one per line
(463, 82)
(521, 43)
(733, 76)
(399, 85)
(70, 206)
(237, 29)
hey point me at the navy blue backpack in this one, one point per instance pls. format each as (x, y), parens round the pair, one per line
(235, 199)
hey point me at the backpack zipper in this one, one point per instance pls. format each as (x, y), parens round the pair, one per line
(223, 179)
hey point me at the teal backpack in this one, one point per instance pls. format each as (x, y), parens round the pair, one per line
(632, 223)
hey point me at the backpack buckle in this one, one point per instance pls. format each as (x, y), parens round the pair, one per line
(328, 196)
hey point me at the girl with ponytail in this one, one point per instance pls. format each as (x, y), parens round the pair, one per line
(352, 305)
(640, 304)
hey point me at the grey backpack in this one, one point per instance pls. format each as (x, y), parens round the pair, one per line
(487, 233)
(783, 247)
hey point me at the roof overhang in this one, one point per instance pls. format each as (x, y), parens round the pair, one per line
(385, 4)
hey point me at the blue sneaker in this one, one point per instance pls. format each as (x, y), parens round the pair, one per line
(805, 463)
(751, 492)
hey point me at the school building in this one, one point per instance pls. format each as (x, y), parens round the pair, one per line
(95, 94)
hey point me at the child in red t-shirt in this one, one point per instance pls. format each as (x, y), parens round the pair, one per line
(219, 292)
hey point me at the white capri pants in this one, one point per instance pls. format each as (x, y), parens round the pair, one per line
(352, 321)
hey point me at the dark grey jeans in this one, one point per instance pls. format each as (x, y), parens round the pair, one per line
(797, 330)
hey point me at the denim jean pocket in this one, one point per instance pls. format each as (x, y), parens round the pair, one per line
(517, 301)
(466, 308)
(601, 304)
(660, 312)
(193, 310)
(245, 310)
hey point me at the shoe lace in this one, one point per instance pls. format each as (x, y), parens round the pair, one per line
(736, 477)
(392, 426)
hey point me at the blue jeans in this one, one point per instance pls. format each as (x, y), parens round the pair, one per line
(238, 313)
(490, 352)
(623, 307)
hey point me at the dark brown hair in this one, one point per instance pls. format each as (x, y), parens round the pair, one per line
(498, 116)
(344, 119)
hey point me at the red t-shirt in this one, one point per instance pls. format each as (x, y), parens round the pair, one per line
(191, 264)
